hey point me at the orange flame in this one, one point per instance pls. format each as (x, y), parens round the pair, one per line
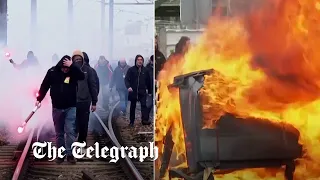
(269, 67)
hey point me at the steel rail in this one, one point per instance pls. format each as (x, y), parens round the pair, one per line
(17, 171)
(111, 134)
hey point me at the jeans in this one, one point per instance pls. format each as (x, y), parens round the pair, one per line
(83, 113)
(123, 94)
(65, 123)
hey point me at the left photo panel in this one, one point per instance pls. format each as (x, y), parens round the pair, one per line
(77, 94)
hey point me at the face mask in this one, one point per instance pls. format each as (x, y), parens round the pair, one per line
(79, 62)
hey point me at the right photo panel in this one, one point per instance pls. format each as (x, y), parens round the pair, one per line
(237, 94)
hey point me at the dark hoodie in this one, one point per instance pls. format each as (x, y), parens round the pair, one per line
(150, 69)
(159, 60)
(104, 71)
(118, 77)
(87, 88)
(139, 80)
(87, 61)
(63, 92)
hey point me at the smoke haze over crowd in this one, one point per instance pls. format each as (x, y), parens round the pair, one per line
(133, 34)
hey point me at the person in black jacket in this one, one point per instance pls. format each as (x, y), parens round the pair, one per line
(87, 95)
(87, 61)
(150, 70)
(137, 81)
(104, 71)
(118, 80)
(96, 126)
(160, 59)
(62, 81)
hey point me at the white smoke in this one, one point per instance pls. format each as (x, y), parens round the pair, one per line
(17, 87)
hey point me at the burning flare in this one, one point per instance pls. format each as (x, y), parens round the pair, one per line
(7, 54)
(268, 61)
(20, 129)
(24, 124)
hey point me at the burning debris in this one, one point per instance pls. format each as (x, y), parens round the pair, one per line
(267, 85)
(234, 143)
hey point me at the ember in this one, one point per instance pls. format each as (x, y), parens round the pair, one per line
(269, 68)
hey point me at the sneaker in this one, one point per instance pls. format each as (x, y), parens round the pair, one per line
(59, 160)
(71, 159)
(131, 125)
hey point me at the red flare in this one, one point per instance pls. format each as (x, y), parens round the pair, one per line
(7, 54)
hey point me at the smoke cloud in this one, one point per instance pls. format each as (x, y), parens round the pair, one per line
(53, 33)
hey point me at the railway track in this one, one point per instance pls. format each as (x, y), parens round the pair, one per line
(128, 136)
(7, 161)
(18, 163)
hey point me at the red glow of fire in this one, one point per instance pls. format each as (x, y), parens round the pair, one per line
(20, 130)
(7, 54)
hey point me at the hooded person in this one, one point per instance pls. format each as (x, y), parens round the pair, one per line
(160, 59)
(87, 61)
(87, 95)
(31, 61)
(118, 80)
(104, 71)
(150, 69)
(55, 58)
(137, 81)
(62, 81)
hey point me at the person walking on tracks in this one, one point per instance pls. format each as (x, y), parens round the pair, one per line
(104, 71)
(55, 58)
(87, 95)
(87, 61)
(118, 80)
(137, 81)
(31, 61)
(62, 81)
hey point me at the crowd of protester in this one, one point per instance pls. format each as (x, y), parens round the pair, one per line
(75, 85)
(74, 88)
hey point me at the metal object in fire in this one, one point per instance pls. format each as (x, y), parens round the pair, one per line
(234, 143)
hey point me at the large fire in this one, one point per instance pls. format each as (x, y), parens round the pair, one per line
(269, 66)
